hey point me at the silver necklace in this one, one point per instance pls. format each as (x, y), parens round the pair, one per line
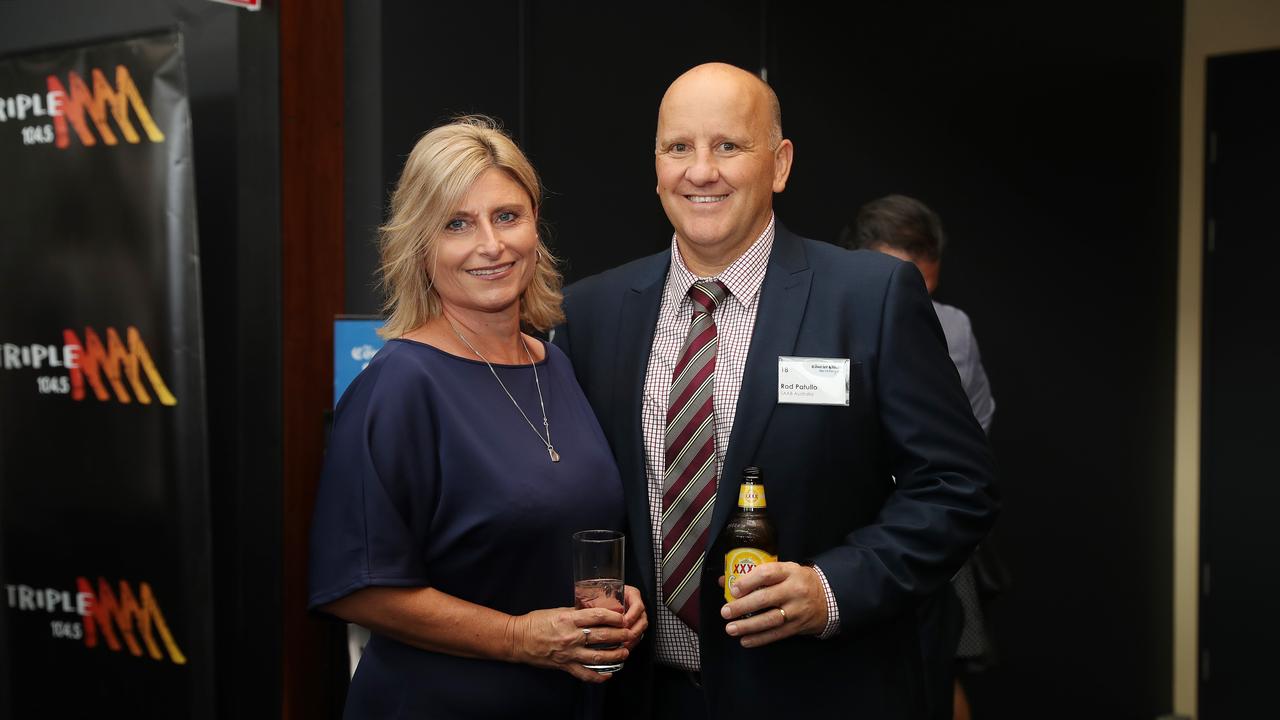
(551, 450)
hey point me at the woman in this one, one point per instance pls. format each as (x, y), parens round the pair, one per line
(464, 457)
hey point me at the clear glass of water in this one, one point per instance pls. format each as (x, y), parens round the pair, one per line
(598, 580)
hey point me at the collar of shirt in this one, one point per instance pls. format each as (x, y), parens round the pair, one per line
(743, 277)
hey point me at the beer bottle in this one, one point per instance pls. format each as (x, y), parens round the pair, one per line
(748, 539)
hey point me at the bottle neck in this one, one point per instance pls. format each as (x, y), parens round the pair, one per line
(751, 497)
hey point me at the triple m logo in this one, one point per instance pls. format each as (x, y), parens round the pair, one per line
(72, 105)
(105, 614)
(113, 370)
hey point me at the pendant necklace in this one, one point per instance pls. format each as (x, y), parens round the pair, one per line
(551, 450)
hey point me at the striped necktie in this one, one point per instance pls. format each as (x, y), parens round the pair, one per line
(689, 477)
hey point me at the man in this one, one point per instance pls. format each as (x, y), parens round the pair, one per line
(907, 229)
(688, 358)
(954, 636)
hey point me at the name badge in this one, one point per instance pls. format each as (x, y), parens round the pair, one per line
(813, 381)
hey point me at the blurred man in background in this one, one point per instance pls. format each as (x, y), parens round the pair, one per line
(907, 229)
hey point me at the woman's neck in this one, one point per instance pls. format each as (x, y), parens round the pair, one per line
(494, 337)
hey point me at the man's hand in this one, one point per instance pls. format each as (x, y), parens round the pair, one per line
(787, 600)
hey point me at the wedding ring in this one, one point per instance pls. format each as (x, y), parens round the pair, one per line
(784, 615)
(587, 631)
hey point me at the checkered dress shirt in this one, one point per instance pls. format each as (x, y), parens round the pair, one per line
(735, 318)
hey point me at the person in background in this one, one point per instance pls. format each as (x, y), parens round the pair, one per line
(464, 457)
(685, 356)
(907, 229)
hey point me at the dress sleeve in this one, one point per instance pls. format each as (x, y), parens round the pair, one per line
(373, 504)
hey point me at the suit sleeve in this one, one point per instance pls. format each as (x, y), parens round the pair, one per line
(976, 385)
(943, 503)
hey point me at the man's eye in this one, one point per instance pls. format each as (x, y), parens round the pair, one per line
(679, 148)
(456, 225)
(728, 146)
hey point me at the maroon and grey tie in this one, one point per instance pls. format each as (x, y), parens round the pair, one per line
(689, 478)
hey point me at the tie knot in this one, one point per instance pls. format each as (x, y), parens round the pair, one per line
(707, 295)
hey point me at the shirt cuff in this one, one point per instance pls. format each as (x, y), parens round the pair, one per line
(833, 610)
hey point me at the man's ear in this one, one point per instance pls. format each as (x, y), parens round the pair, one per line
(782, 158)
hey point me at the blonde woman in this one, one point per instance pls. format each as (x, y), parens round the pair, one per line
(464, 457)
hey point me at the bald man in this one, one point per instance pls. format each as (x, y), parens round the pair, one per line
(746, 345)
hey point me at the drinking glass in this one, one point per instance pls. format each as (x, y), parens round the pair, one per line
(598, 579)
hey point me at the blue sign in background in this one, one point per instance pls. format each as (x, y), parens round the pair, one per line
(355, 342)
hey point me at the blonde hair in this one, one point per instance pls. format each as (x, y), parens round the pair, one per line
(440, 170)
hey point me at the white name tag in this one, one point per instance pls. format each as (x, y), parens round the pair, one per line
(813, 381)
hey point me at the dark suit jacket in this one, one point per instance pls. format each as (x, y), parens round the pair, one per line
(829, 471)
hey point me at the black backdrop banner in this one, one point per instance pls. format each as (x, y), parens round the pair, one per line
(104, 526)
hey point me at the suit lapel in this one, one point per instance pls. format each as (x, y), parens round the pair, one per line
(636, 323)
(783, 298)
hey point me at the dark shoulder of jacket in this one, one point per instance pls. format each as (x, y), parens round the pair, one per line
(860, 272)
(599, 286)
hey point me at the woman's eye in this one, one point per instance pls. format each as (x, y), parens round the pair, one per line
(456, 225)
(506, 216)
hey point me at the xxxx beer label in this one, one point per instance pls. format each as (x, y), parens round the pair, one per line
(751, 496)
(740, 561)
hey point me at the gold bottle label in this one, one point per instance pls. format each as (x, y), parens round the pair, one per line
(740, 561)
(751, 496)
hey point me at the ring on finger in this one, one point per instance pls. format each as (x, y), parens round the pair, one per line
(784, 615)
(586, 632)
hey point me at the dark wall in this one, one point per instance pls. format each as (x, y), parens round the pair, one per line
(592, 111)
(1046, 137)
(230, 64)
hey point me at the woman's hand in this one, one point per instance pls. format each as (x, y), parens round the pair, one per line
(636, 619)
(557, 638)
(429, 619)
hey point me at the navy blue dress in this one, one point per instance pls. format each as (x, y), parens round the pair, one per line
(433, 478)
